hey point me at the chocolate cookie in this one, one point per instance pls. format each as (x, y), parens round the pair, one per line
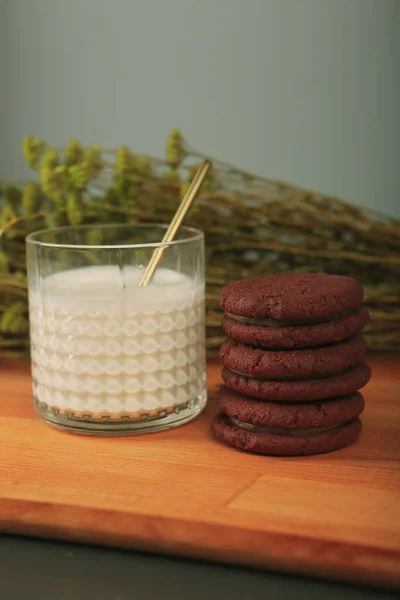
(289, 445)
(298, 297)
(290, 415)
(301, 336)
(305, 390)
(295, 364)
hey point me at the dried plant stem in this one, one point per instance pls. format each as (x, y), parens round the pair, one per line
(253, 225)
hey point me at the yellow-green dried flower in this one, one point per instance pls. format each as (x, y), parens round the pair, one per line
(144, 166)
(93, 161)
(55, 219)
(32, 149)
(74, 208)
(73, 153)
(171, 175)
(12, 196)
(49, 186)
(14, 319)
(79, 177)
(81, 174)
(52, 177)
(7, 214)
(175, 152)
(124, 163)
(31, 198)
(50, 159)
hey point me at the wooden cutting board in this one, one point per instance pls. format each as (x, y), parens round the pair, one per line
(181, 492)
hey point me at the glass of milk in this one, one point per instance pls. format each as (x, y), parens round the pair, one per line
(108, 356)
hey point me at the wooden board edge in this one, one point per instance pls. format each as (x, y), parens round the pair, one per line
(209, 541)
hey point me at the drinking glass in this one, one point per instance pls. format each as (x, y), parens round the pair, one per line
(108, 356)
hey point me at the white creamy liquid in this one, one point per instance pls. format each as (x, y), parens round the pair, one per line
(101, 345)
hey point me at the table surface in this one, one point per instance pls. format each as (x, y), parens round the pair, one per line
(32, 568)
(16, 483)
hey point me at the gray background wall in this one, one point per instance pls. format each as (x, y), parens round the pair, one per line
(302, 90)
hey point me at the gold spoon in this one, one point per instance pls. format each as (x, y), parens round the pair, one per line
(176, 221)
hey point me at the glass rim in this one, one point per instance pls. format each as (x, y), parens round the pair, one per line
(193, 235)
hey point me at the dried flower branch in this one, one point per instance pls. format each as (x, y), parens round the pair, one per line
(253, 225)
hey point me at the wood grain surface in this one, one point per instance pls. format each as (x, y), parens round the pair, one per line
(181, 492)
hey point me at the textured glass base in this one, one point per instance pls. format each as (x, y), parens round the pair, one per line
(110, 426)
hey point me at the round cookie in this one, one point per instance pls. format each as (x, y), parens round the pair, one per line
(290, 415)
(306, 390)
(285, 445)
(295, 364)
(292, 296)
(301, 336)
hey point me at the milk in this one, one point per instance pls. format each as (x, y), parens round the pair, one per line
(104, 348)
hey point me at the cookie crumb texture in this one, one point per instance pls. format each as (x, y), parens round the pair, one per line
(292, 364)
(281, 445)
(301, 390)
(291, 296)
(301, 336)
(290, 415)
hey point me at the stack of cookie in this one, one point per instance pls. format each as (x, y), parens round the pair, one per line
(293, 364)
